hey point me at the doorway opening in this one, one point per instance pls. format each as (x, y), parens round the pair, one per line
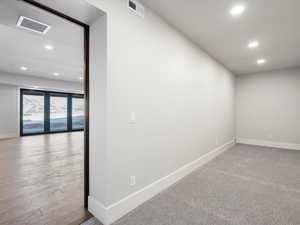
(44, 91)
(85, 78)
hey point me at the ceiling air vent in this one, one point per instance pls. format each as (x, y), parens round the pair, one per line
(136, 7)
(33, 25)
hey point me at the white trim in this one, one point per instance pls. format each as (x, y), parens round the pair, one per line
(98, 210)
(108, 215)
(272, 144)
(18, 110)
(8, 135)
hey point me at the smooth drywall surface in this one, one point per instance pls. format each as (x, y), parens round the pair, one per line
(98, 81)
(9, 117)
(268, 106)
(168, 103)
(25, 81)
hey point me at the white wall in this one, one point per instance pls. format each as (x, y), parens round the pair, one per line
(268, 108)
(9, 116)
(182, 99)
(98, 115)
(43, 83)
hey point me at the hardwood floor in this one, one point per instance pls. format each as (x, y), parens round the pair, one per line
(41, 180)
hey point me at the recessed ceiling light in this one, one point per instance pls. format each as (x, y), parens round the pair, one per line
(49, 47)
(80, 78)
(24, 68)
(253, 44)
(261, 61)
(237, 10)
(35, 87)
(56, 74)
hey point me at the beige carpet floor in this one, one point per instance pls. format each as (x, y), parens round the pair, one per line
(246, 185)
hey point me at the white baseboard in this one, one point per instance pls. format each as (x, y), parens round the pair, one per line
(108, 215)
(98, 210)
(272, 144)
(8, 135)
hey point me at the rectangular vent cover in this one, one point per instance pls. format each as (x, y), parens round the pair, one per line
(33, 25)
(136, 7)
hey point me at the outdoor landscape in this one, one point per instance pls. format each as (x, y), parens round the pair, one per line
(33, 114)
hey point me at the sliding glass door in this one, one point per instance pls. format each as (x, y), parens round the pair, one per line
(45, 112)
(77, 113)
(33, 113)
(58, 113)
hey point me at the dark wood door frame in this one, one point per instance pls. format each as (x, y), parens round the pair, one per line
(86, 29)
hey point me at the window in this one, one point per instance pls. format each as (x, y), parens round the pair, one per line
(50, 112)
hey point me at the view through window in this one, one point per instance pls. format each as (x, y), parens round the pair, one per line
(49, 112)
(33, 114)
(58, 113)
(78, 113)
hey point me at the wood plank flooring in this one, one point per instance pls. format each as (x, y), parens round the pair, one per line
(92, 221)
(41, 180)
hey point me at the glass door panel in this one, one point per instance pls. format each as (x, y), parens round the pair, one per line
(58, 113)
(77, 113)
(44, 112)
(33, 114)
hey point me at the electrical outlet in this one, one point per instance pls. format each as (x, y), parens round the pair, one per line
(132, 180)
